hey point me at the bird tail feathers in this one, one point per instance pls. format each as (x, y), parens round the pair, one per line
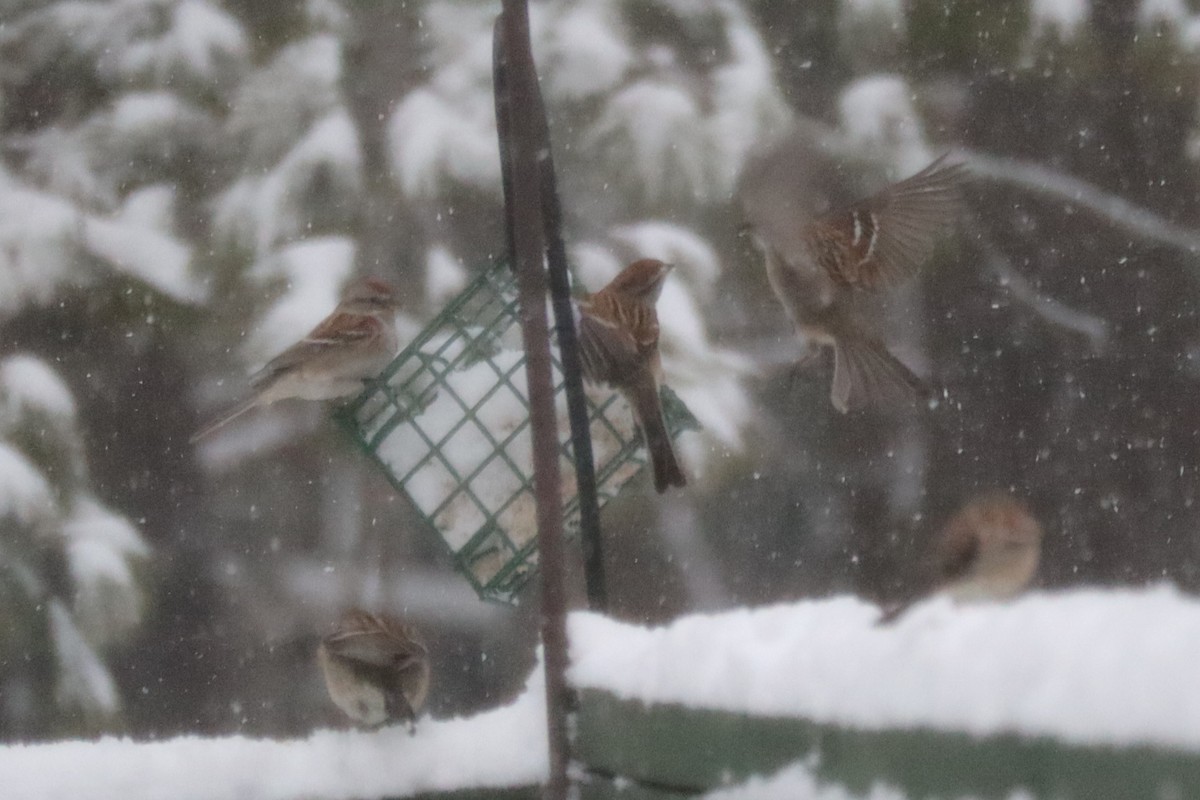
(225, 418)
(866, 374)
(645, 401)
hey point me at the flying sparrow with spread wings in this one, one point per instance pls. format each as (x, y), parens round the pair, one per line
(350, 346)
(618, 346)
(989, 550)
(376, 668)
(817, 269)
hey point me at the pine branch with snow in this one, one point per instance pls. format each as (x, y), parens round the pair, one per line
(70, 564)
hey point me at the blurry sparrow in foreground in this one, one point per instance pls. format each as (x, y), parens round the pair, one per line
(816, 269)
(350, 346)
(989, 550)
(618, 345)
(376, 668)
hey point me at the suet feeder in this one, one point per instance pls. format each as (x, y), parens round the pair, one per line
(448, 423)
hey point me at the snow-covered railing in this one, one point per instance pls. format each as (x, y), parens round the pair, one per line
(497, 755)
(1086, 694)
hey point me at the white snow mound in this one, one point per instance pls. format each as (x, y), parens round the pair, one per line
(1098, 667)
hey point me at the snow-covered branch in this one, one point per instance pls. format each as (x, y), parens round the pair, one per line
(1121, 213)
(1094, 328)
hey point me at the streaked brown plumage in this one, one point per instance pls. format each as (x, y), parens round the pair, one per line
(989, 550)
(351, 345)
(376, 668)
(816, 269)
(618, 345)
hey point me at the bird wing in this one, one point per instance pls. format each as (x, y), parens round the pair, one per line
(375, 640)
(335, 332)
(377, 648)
(957, 550)
(888, 236)
(611, 347)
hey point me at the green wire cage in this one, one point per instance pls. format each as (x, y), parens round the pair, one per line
(448, 422)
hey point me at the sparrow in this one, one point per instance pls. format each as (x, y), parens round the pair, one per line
(818, 268)
(376, 668)
(618, 347)
(989, 550)
(349, 347)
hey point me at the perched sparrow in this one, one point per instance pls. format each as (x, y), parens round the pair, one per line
(817, 269)
(376, 668)
(618, 345)
(350, 346)
(989, 550)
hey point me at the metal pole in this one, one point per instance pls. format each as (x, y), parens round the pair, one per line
(519, 81)
(568, 353)
(568, 344)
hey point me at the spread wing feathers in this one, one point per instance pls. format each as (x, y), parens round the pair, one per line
(334, 333)
(378, 642)
(609, 352)
(888, 236)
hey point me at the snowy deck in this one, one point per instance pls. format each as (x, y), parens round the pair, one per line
(1086, 694)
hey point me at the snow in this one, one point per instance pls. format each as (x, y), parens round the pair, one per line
(100, 548)
(327, 15)
(670, 132)
(24, 493)
(891, 10)
(797, 782)
(40, 237)
(706, 378)
(1091, 667)
(655, 130)
(263, 212)
(1173, 15)
(748, 108)
(584, 52)
(314, 272)
(1064, 17)
(202, 43)
(83, 682)
(278, 103)
(445, 276)
(443, 133)
(62, 161)
(28, 384)
(150, 207)
(459, 38)
(432, 139)
(879, 119)
(205, 34)
(1158, 12)
(499, 748)
(36, 244)
(146, 115)
(157, 259)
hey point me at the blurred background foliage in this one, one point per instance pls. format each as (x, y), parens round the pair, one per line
(186, 185)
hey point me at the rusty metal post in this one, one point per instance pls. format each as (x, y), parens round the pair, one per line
(516, 92)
